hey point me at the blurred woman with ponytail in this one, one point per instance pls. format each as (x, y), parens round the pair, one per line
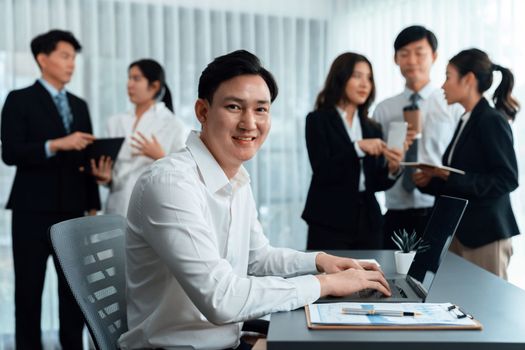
(151, 131)
(482, 146)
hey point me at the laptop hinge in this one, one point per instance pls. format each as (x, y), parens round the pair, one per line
(417, 287)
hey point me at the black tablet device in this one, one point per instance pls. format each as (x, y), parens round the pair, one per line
(108, 147)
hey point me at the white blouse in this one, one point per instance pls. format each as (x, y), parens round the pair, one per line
(169, 131)
(355, 133)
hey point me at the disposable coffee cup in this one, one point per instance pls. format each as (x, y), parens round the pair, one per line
(412, 116)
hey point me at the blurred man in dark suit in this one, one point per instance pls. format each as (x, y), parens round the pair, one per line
(44, 131)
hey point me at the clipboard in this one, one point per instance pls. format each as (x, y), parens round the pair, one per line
(109, 147)
(428, 165)
(473, 324)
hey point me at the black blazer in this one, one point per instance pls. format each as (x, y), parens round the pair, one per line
(333, 193)
(55, 184)
(485, 152)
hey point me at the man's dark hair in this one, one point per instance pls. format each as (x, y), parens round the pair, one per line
(415, 33)
(223, 68)
(47, 42)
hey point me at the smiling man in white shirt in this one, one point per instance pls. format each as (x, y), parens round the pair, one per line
(198, 263)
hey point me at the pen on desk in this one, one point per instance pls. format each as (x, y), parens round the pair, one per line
(377, 312)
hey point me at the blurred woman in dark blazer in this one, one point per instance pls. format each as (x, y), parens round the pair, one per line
(347, 155)
(482, 146)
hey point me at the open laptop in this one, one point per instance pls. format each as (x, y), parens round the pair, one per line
(414, 287)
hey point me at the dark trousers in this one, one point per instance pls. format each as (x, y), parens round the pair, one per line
(254, 326)
(408, 219)
(364, 235)
(31, 249)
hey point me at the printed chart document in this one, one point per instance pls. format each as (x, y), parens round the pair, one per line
(429, 316)
(420, 165)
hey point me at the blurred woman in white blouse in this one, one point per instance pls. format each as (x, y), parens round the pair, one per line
(151, 131)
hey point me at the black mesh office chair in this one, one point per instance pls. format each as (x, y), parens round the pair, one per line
(90, 252)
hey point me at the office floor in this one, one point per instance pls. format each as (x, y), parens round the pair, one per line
(49, 338)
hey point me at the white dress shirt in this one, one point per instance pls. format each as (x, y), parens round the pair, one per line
(439, 123)
(158, 120)
(355, 133)
(197, 261)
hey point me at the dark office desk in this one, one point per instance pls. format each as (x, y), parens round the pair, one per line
(498, 305)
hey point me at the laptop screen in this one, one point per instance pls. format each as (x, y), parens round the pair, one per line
(438, 234)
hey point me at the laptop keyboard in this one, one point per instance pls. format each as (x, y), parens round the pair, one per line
(397, 292)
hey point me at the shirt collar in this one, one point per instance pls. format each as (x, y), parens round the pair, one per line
(213, 176)
(424, 93)
(342, 113)
(465, 117)
(50, 88)
(157, 106)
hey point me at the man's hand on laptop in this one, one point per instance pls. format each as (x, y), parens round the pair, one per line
(330, 264)
(345, 276)
(351, 281)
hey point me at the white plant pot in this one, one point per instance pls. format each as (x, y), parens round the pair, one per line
(403, 261)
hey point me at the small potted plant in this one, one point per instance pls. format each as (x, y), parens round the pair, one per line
(408, 244)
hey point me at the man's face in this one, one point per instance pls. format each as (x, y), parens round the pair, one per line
(415, 60)
(236, 123)
(59, 65)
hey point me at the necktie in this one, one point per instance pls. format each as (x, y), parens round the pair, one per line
(63, 110)
(414, 99)
(411, 155)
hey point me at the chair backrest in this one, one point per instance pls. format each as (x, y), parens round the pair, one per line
(91, 252)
